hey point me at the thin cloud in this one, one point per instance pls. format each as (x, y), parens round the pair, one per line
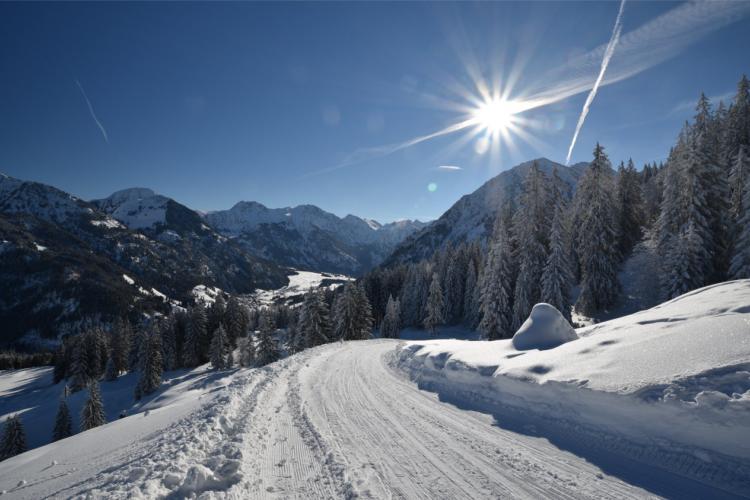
(449, 168)
(91, 111)
(608, 53)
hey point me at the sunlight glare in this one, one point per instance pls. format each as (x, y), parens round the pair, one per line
(495, 115)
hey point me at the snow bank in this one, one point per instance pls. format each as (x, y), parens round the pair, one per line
(545, 328)
(668, 383)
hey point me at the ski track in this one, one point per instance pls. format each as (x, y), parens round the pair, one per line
(338, 421)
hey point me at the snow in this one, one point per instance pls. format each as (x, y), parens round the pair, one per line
(137, 208)
(299, 283)
(107, 223)
(544, 329)
(206, 294)
(128, 279)
(676, 376)
(39, 248)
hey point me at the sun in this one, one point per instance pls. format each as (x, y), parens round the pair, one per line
(495, 115)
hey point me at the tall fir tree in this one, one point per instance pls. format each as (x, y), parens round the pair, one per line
(629, 207)
(92, 414)
(63, 422)
(531, 233)
(496, 285)
(150, 375)
(79, 364)
(236, 321)
(110, 372)
(219, 349)
(268, 348)
(597, 236)
(122, 334)
(390, 328)
(435, 306)
(196, 331)
(314, 327)
(557, 278)
(13, 441)
(740, 267)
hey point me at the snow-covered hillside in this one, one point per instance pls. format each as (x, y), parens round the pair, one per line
(650, 405)
(299, 283)
(665, 382)
(137, 208)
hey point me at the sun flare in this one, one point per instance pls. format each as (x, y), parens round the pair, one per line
(495, 115)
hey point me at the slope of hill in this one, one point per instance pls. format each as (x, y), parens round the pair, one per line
(63, 259)
(473, 216)
(650, 405)
(309, 238)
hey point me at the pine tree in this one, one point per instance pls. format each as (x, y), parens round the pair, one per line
(390, 328)
(268, 348)
(79, 365)
(741, 259)
(150, 375)
(364, 320)
(63, 422)
(196, 331)
(92, 414)
(219, 347)
(597, 236)
(166, 328)
(740, 174)
(557, 278)
(496, 285)
(110, 372)
(629, 207)
(236, 321)
(472, 296)
(435, 306)
(455, 280)
(530, 230)
(314, 328)
(122, 334)
(14, 438)
(135, 356)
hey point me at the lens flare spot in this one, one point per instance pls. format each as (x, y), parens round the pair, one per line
(431, 187)
(481, 145)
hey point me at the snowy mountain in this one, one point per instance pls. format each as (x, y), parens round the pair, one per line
(309, 238)
(473, 216)
(652, 405)
(63, 259)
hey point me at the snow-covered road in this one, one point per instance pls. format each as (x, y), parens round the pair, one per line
(336, 421)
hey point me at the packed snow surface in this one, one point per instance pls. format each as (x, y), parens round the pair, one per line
(545, 328)
(299, 283)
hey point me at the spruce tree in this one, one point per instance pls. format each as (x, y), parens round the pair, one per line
(219, 348)
(597, 236)
(92, 414)
(236, 321)
(63, 422)
(166, 328)
(196, 331)
(110, 372)
(150, 375)
(557, 278)
(122, 334)
(741, 258)
(435, 306)
(14, 438)
(79, 365)
(740, 174)
(629, 208)
(364, 321)
(268, 349)
(390, 328)
(314, 327)
(496, 285)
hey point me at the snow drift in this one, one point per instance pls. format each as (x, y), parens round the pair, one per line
(545, 328)
(669, 385)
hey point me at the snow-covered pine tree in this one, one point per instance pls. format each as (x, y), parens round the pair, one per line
(216, 314)
(472, 296)
(531, 233)
(92, 414)
(629, 207)
(268, 349)
(135, 358)
(496, 285)
(390, 328)
(363, 322)
(63, 422)
(557, 278)
(741, 257)
(79, 365)
(435, 306)
(314, 327)
(14, 438)
(236, 321)
(152, 368)
(196, 331)
(738, 177)
(344, 314)
(218, 351)
(455, 280)
(597, 236)
(122, 334)
(110, 372)
(166, 328)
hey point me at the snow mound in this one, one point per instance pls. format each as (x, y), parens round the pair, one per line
(545, 328)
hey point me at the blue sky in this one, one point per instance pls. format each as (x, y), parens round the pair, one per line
(216, 103)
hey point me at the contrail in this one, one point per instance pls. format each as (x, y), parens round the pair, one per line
(93, 115)
(605, 62)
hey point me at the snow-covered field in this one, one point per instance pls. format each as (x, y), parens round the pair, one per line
(650, 405)
(299, 284)
(669, 385)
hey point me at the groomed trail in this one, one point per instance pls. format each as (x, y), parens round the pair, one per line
(339, 421)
